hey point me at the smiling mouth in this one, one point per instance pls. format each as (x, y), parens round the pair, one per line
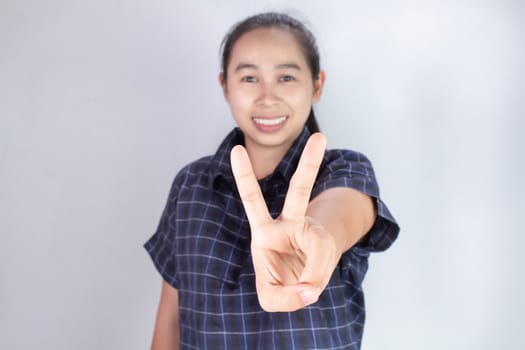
(269, 121)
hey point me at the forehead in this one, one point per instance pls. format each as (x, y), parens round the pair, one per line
(267, 45)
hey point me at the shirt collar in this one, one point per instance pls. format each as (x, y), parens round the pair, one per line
(221, 167)
(220, 164)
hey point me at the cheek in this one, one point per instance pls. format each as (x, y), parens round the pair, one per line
(302, 100)
(238, 100)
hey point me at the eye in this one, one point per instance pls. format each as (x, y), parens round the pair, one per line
(287, 78)
(249, 79)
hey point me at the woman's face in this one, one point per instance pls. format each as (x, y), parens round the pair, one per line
(269, 87)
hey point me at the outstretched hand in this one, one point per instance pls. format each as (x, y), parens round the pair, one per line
(293, 255)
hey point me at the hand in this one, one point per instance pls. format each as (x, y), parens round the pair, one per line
(293, 255)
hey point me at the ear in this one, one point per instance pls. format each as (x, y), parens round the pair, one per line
(222, 82)
(318, 86)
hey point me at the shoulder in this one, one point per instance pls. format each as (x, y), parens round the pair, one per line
(202, 172)
(196, 169)
(348, 154)
(196, 173)
(346, 168)
(346, 161)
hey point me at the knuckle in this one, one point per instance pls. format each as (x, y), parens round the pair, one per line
(251, 196)
(258, 240)
(267, 303)
(300, 189)
(278, 303)
(268, 307)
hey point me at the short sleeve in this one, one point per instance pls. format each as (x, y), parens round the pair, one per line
(161, 245)
(344, 168)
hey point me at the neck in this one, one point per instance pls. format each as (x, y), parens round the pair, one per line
(265, 159)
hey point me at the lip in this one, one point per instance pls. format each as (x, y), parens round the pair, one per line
(269, 124)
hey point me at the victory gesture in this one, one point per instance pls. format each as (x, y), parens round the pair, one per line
(293, 255)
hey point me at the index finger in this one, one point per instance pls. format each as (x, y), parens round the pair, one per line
(249, 190)
(303, 179)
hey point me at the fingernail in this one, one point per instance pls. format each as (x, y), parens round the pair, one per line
(307, 296)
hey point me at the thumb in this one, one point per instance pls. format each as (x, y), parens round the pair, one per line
(309, 295)
(288, 298)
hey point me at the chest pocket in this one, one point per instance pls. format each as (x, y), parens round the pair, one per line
(226, 260)
(214, 249)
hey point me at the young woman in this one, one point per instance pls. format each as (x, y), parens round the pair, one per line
(264, 245)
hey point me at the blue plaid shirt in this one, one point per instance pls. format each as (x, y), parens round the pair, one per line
(202, 248)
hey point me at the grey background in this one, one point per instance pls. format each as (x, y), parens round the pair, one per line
(101, 102)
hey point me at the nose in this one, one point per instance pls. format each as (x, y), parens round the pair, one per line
(266, 95)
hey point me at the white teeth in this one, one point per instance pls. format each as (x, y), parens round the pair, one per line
(269, 122)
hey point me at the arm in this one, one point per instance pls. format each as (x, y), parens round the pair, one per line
(166, 333)
(345, 213)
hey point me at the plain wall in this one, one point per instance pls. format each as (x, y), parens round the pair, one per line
(102, 102)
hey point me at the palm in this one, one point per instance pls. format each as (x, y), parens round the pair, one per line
(291, 253)
(277, 257)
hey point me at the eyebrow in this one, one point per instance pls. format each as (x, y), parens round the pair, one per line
(241, 66)
(288, 66)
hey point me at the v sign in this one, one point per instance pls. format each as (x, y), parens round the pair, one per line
(293, 255)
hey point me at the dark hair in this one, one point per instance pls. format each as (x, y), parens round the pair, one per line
(302, 34)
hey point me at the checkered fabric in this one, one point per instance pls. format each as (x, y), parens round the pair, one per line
(202, 248)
